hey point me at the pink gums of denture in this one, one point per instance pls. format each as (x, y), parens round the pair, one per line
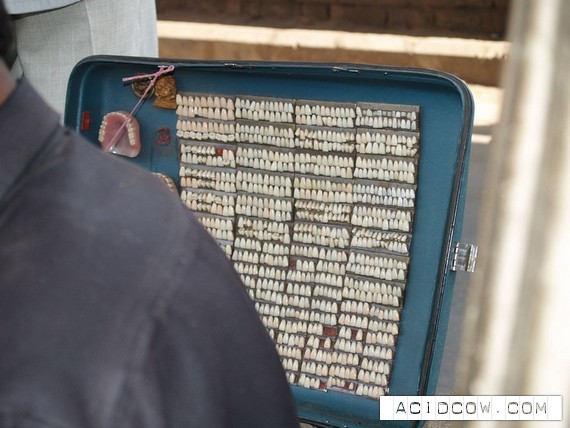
(119, 138)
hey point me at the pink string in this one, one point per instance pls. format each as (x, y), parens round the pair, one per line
(163, 69)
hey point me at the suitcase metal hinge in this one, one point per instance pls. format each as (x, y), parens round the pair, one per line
(464, 257)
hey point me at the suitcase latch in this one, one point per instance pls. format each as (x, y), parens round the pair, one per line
(464, 257)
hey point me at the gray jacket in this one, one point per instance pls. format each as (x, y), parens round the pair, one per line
(117, 309)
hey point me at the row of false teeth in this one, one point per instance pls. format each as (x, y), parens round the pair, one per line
(328, 292)
(319, 195)
(326, 231)
(215, 113)
(383, 149)
(209, 208)
(266, 213)
(206, 136)
(376, 261)
(324, 170)
(282, 142)
(316, 120)
(329, 279)
(207, 150)
(387, 123)
(323, 110)
(316, 239)
(382, 213)
(263, 202)
(229, 177)
(325, 267)
(265, 247)
(283, 299)
(288, 339)
(208, 160)
(385, 164)
(312, 183)
(324, 216)
(271, 309)
(265, 189)
(381, 236)
(329, 254)
(365, 111)
(317, 207)
(374, 392)
(373, 378)
(363, 322)
(227, 249)
(379, 223)
(386, 299)
(208, 198)
(204, 101)
(324, 146)
(379, 338)
(217, 223)
(350, 346)
(207, 184)
(253, 257)
(224, 235)
(264, 272)
(326, 135)
(394, 192)
(324, 306)
(378, 351)
(288, 351)
(257, 224)
(310, 382)
(385, 175)
(269, 116)
(206, 127)
(257, 163)
(263, 178)
(309, 367)
(317, 342)
(264, 105)
(325, 160)
(288, 326)
(383, 200)
(375, 244)
(389, 139)
(377, 272)
(265, 235)
(266, 130)
(320, 355)
(266, 155)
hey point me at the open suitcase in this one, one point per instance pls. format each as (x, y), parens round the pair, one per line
(336, 190)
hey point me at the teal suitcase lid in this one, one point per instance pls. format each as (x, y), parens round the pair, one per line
(421, 137)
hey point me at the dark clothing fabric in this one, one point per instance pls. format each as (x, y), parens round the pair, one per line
(117, 309)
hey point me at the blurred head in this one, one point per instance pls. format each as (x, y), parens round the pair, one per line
(5, 32)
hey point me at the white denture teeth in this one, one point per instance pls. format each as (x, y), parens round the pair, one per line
(314, 203)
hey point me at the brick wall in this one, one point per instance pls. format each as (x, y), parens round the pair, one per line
(470, 18)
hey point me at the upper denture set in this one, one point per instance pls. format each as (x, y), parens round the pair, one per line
(314, 203)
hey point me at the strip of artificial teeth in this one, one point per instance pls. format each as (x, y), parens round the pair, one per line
(373, 221)
(246, 269)
(264, 202)
(331, 293)
(205, 127)
(323, 196)
(299, 289)
(299, 276)
(324, 306)
(264, 178)
(266, 130)
(382, 213)
(315, 183)
(201, 101)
